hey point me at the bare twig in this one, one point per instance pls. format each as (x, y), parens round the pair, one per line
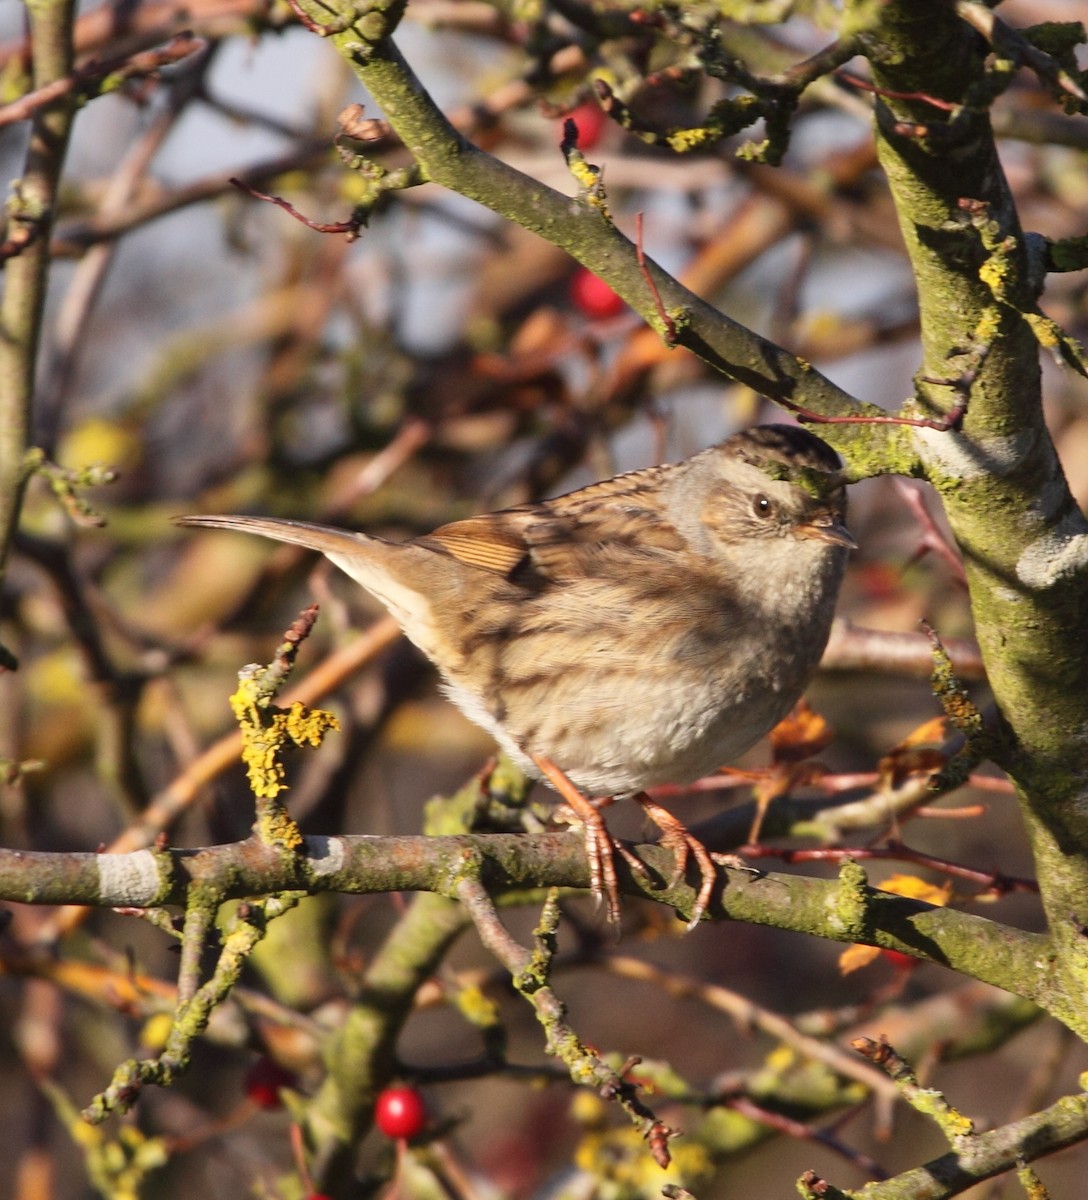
(863, 85)
(853, 648)
(529, 972)
(667, 323)
(993, 883)
(351, 227)
(984, 21)
(933, 538)
(801, 1131)
(119, 69)
(89, 276)
(747, 1014)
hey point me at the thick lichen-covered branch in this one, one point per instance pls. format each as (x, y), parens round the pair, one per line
(1023, 539)
(980, 948)
(973, 1156)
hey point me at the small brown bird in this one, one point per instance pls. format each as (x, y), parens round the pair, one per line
(639, 631)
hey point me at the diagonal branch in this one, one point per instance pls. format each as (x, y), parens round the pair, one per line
(449, 159)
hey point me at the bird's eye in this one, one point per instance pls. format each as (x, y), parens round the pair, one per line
(761, 506)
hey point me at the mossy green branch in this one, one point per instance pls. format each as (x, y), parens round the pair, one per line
(930, 1102)
(1064, 1123)
(31, 206)
(1018, 961)
(240, 934)
(1023, 538)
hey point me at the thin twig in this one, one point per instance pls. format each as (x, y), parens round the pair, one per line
(933, 538)
(995, 31)
(994, 883)
(350, 227)
(667, 322)
(529, 973)
(747, 1014)
(863, 85)
(801, 1131)
(126, 66)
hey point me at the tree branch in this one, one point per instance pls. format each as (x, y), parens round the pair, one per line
(447, 158)
(847, 910)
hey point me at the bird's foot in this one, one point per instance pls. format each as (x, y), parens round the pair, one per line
(601, 846)
(676, 837)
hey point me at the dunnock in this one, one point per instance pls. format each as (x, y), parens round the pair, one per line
(639, 631)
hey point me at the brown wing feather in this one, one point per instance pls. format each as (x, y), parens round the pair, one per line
(565, 538)
(494, 542)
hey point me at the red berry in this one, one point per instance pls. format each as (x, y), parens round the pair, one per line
(400, 1112)
(898, 959)
(590, 119)
(264, 1080)
(592, 296)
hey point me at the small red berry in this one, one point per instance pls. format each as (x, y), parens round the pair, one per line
(899, 960)
(592, 296)
(264, 1080)
(590, 119)
(400, 1112)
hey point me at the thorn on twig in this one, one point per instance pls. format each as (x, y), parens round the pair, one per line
(669, 324)
(863, 85)
(25, 234)
(350, 227)
(941, 425)
(914, 130)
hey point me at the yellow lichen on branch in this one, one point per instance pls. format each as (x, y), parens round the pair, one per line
(267, 730)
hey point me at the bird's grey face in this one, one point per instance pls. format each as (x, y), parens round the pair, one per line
(762, 495)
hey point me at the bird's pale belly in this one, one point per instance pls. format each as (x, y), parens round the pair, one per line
(649, 734)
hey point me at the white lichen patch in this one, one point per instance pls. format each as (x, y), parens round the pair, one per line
(326, 854)
(957, 457)
(129, 880)
(1062, 552)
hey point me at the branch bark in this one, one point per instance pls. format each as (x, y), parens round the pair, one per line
(33, 205)
(1023, 539)
(843, 910)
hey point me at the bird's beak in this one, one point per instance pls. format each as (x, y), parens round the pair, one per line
(828, 528)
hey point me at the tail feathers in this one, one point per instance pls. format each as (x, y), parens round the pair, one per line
(300, 533)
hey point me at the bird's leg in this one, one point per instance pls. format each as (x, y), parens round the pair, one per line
(601, 846)
(676, 837)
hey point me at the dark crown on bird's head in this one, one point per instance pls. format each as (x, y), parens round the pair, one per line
(790, 453)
